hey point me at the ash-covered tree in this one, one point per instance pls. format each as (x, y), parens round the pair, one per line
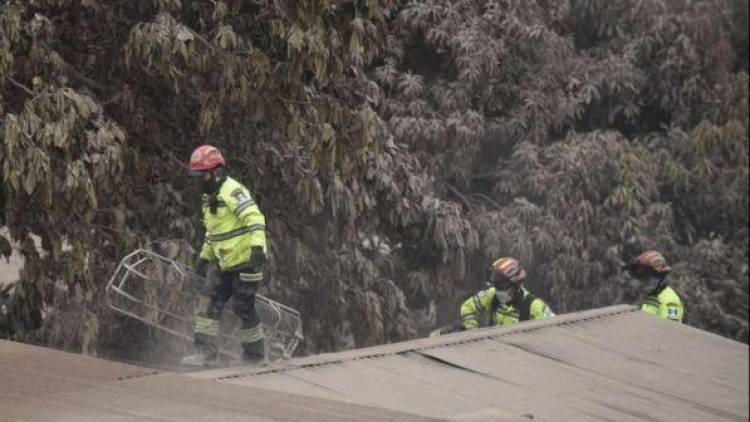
(103, 101)
(574, 134)
(395, 147)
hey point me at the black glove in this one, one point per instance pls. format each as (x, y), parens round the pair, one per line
(201, 266)
(257, 257)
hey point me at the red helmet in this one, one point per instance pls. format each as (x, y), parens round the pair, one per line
(205, 158)
(507, 271)
(649, 262)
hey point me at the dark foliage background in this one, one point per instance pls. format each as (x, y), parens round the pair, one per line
(396, 148)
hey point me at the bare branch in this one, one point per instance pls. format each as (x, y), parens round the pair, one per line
(23, 87)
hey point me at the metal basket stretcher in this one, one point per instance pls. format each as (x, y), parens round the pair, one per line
(166, 294)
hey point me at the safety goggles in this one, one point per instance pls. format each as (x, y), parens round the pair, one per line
(639, 271)
(500, 282)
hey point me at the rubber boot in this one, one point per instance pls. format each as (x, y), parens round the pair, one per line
(204, 356)
(253, 353)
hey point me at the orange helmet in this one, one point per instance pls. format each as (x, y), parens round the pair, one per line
(649, 263)
(507, 271)
(205, 158)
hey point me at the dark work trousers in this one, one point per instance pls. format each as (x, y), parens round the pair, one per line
(226, 285)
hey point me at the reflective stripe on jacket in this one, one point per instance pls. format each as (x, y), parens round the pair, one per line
(483, 302)
(666, 304)
(236, 226)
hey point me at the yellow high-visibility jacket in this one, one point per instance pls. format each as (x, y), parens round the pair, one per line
(666, 304)
(524, 306)
(236, 226)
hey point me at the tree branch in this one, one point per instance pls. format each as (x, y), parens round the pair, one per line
(459, 195)
(83, 78)
(21, 86)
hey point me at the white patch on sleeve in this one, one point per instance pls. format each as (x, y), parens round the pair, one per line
(241, 198)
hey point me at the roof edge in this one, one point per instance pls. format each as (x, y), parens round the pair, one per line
(413, 345)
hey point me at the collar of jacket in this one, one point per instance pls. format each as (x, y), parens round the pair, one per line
(517, 297)
(213, 197)
(663, 285)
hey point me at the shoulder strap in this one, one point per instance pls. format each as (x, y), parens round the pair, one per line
(524, 309)
(493, 310)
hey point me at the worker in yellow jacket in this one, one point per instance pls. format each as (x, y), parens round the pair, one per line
(235, 241)
(650, 268)
(506, 301)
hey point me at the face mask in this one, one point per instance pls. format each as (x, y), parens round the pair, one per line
(208, 186)
(211, 185)
(650, 285)
(504, 296)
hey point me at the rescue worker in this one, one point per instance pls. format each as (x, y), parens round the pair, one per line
(650, 268)
(506, 301)
(235, 241)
